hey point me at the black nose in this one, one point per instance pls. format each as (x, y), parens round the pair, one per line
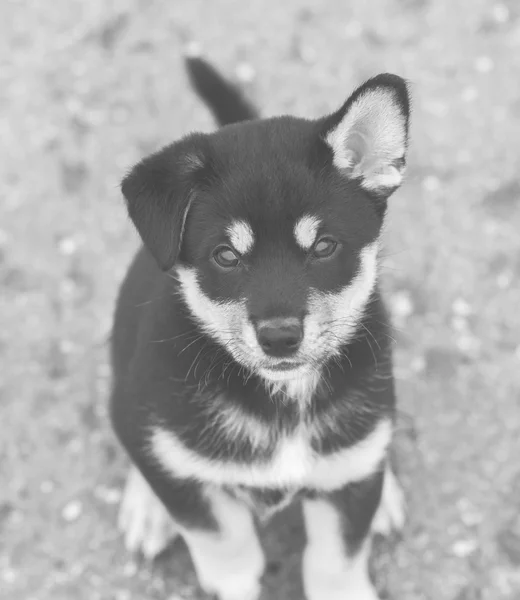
(279, 337)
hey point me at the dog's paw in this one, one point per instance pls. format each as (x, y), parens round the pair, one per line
(235, 590)
(391, 514)
(144, 521)
(341, 586)
(365, 591)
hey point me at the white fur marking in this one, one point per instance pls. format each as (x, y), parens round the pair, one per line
(328, 573)
(238, 425)
(294, 463)
(369, 138)
(391, 514)
(345, 308)
(241, 236)
(298, 384)
(143, 519)
(217, 318)
(306, 230)
(229, 562)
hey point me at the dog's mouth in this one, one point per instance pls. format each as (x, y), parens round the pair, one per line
(283, 370)
(284, 365)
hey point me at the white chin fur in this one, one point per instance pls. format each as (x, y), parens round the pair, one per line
(277, 376)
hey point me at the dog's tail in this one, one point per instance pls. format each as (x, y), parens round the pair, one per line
(225, 101)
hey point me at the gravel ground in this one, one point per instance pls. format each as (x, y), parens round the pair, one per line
(88, 87)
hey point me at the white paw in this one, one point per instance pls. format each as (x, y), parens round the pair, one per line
(236, 589)
(143, 520)
(341, 586)
(366, 592)
(391, 514)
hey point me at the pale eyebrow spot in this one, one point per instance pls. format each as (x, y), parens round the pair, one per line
(241, 236)
(306, 230)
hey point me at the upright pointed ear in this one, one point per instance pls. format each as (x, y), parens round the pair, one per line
(158, 193)
(369, 134)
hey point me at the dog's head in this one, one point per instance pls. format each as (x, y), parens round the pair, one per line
(272, 226)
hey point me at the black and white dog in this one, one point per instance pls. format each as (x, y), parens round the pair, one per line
(252, 362)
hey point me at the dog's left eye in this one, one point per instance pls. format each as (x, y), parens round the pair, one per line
(225, 257)
(324, 248)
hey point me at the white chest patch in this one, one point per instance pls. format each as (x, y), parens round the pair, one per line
(294, 463)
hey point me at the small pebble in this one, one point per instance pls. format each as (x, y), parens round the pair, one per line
(501, 13)
(245, 72)
(461, 307)
(470, 94)
(484, 64)
(68, 246)
(9, 576)
(402, 305)
(459, 323)
(108, 495)
(463, 548)
(418, 364)
(46, 487)
(469, 514)
(504, 280)
(193, 49)
(307, 54)
(130, 569)
(469, 345)
(72, 511)
(431, 183)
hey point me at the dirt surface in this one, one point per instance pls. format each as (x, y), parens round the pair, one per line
(88, 87)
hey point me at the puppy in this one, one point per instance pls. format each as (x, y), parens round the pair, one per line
(251, 357)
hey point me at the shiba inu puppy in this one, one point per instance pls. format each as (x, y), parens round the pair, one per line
(250, 349)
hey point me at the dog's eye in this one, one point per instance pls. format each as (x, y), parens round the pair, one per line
(324, 248)
(225, 257)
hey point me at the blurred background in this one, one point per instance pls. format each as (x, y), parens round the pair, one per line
(87, 87)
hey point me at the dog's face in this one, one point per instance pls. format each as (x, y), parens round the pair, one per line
(271, 227)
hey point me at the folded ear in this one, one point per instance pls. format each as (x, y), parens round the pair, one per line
(369, 134)
(158, 193)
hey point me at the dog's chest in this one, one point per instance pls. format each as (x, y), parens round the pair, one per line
(293, 463)
(264, 502)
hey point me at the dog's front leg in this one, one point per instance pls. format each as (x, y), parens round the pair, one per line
(229, 560)
(218, 530)
(335, 561)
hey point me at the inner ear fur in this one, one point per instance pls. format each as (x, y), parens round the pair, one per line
(159, 191)
(368, 136)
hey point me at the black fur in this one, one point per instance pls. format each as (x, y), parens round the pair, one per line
(224, 100)
(357, 503)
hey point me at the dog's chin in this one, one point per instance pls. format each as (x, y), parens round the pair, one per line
(277, 375)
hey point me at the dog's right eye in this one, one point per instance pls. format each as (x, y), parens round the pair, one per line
(225, 257)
